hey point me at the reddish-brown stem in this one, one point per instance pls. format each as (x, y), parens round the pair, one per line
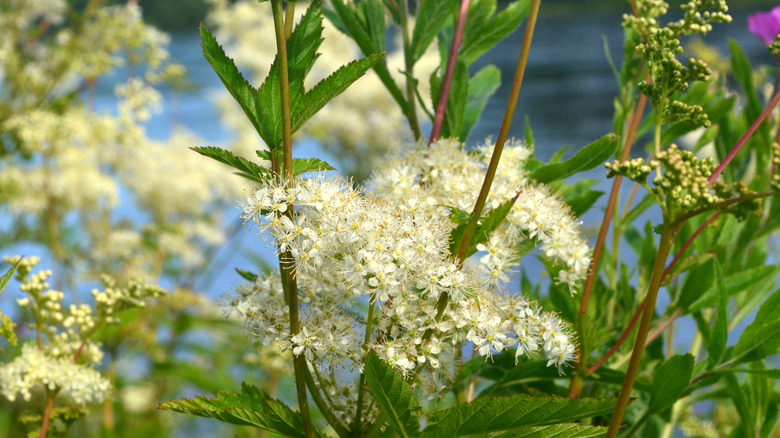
(633, 126)
(652, 337)
(744, 139)
(634, 319)
(668, 234)
(51, 395)
(620, 340)
(522, 61)
(446, 84)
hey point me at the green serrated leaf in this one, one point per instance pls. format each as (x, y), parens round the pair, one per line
(328, 88)
(374, 15)
(452, 125)
(583, 201)
(459, 217)
(670, 381)
(719, 336)
(480, 38)
(393, 395)
(588, 332)
(743, 72)
(762, 337)
(302, 52)
(430, 18)
(492, 415)
(698, 281)
(751, 279)
(529, 135)
(250, 407)
(353, 27)
(247, 275)
(567, 430)
(264, 114)
(481, 86)
(303, 165)
(587, 158)
(9, 273)
(245, 168)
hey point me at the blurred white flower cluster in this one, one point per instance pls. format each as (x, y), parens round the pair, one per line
(360, 126)
(64, 353)
(35, 368)
(68, 169)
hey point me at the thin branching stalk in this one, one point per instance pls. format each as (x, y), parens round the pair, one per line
(638, 312)
(471, 226)
(334, 422)
(452, 60)
(411, 115)
(289, 19)
(668, 234)
(744, 139)
(623, 337)
(575, 386)
(666, 325)
(289, 282)
(522, 61)
(362, 379)
(51, 395)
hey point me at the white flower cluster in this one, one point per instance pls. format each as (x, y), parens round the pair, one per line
(34, 368)
(345, 247)
(445, 175)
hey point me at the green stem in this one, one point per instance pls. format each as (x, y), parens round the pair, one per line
(362, 379)
(471, 226)
(289, 18)
(667, 239)
(522, 61)
(409, 65)
(323, 405)
(289, 282)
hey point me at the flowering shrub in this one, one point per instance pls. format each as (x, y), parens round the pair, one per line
(403, 306)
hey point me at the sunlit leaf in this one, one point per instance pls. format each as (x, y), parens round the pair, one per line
(393, 395)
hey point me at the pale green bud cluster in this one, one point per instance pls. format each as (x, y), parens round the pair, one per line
(684, 183)
(635, 170)
(742, 209)
(660, 48)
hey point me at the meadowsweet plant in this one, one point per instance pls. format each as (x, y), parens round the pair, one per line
(373, 286)
(378, 290)
(402, 299)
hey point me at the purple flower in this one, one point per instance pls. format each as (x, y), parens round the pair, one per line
(765, 25)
